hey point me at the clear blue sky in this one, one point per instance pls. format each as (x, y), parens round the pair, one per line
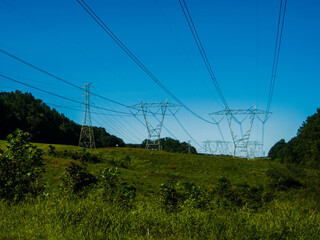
(60, 37)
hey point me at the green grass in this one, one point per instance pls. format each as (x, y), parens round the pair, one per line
(294, 214)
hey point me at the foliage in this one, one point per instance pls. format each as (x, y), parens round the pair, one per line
(82, 155)
(117, 191)
(282, 179)
(169, 145)
(304, 149)
(123, 162)
(192, 196)
(20, 168)
(22, 110)
(169, 196)
(274, 151)
(232, 207)
(77, 179)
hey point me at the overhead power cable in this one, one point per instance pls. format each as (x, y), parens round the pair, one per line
(154, 115)
(56, 77)
(106, 29)
(79, 110)
(282, 13)
(196, 37)
(122, 126)
(57, 95)
(185, 130)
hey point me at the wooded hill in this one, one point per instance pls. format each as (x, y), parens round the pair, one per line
(22, 110)
(46, 125)
(304, 149)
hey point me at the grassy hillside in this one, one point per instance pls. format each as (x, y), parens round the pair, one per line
(289, 213)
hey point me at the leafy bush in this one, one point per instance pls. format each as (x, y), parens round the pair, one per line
(232, 196)
(77, 179)
(123, 162)
(192, 195)
(282, 179)
(83, 155)
(250, 196)
(117, 191)
(20, 168)
(169, 196)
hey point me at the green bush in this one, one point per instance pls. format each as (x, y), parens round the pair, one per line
(77, 179)
(169, 196)
(117, 191)
(192, 195)
(282, 179)
(123, 162)
(21, 166)
(83, 155)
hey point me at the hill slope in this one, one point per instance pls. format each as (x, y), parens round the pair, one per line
(243, 199)
(22, 110)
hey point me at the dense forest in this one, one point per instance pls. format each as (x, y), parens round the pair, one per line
(304, 149)
(46, 125)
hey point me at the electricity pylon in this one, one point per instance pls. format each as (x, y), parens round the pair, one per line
(255, 149)
(240, 136)
(152, 122)
(189, 147)
(217, 147)
(86, 135)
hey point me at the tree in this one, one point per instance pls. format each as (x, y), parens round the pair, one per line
(20, 168)
(274, 152)
(22, 110)
(304, 149)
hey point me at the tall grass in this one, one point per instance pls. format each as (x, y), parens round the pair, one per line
(292, 214)
(59, 217)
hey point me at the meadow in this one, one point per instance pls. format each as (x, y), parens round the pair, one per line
(178, 196)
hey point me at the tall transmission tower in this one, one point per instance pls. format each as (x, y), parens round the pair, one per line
(240, 124)
(150, 111)
(86, 135)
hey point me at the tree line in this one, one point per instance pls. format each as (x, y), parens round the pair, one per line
(303, 149)
(46, 125)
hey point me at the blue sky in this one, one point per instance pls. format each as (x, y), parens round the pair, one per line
(60, 37)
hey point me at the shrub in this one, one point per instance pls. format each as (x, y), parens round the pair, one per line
(282, 179)
(83, 155)
(52, 151)
(117, 191)
(77, 179)
(169, 196)
(192, 195)
(20, 168)
(123, 162)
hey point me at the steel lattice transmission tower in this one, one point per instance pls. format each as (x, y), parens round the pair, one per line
(86, 135)
(240, 135)
(154, 124)
(217, 147)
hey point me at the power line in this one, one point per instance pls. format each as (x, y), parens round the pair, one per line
(184, 51)
(79, 110)
(123, 126)
(196, 37)
(116, 128)
(282, 13)
(105, 28)
(57, 95)
(56, 77)
(185, 130)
